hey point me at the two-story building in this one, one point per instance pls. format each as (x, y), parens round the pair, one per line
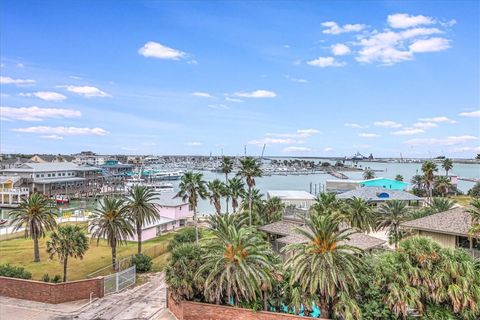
(89, 158)
(11, 193)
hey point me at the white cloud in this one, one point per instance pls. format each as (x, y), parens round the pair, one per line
(368, 135)
(387, 124)
(193, 144)
(355, 125)
(334, 28)
(296, 149)
(37, 114)
(438, 119)
(403, 20)
(45, 95)
(448, 141)
(465, 149)
(20, 65)
(297, 80)
(328, 149)
(256, 94)
(233, 99)
(64, 131)
(425, 125)
(263, 141)
(52, 137)
(408, 131)
(323, 62)
(153, 49)
(86, 91)
(300, 133)
(202, 95)
(18, 82)
(218, 106)
(472, 114)
(340, 49)
(430, 45)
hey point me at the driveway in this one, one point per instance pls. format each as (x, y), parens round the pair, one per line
(147, 301)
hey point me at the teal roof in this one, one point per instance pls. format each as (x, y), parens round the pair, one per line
(386, 183)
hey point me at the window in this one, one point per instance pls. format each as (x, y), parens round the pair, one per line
(48, 175)
(37, 175)
(464, 243)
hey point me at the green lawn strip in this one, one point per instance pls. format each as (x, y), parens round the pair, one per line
(19, 252)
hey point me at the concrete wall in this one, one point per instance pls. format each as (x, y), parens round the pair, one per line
(446, 240)
(51, 292)
(187, 310)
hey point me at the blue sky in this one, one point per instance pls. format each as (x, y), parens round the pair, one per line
(305, 78)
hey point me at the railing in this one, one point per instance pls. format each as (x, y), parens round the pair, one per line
(15, 190)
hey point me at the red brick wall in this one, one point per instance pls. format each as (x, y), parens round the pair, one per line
(51, 292)
(187, 310)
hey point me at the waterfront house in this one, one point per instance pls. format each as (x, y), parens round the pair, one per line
(174, 213)
(448, 228)
(375, 195)
(11, 193)
(298, 199)
(62, 178)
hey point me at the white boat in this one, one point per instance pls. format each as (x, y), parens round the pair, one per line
(160, 187)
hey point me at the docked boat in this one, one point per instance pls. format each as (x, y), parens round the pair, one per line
(160, 187)
(61, 199)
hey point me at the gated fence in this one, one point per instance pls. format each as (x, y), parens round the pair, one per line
(118, 281)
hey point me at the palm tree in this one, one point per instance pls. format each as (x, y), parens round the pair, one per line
(442, 184)
(429, 168)
(324, 266)
(272, 210)
(192, 187)
(217, 190)
(399, 177)
(238, 262)
(417, 181)
(474, 210)
(326, 203)
(390, 215)
(447, 165)
(111, 222)
(249, 169)
(141, 208)
(358, 214)
(67, 241)
(440, 205)
(368, 174)
(256, 199)
(236, 190)
(227, 167)
(34, 214)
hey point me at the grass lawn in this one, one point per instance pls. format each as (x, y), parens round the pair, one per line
(462, 200)
(19, 252)
(159, 263)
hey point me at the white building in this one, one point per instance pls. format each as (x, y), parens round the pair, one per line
(299, 199)
(89, 158)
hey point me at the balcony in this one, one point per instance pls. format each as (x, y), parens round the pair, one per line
(11, 197)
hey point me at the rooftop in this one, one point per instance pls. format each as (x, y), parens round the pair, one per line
(455, 222)
(290, 194)
(50, 167)
(168, 199)
(376, 194)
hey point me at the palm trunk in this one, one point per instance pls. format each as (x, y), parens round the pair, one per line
(65, 269)
(226, 184)
(195, 220)
(250, 204)
(114, 257)
(139, 238)
(324, 311)
(36, 251)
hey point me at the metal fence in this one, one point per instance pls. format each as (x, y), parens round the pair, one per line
(118, 281)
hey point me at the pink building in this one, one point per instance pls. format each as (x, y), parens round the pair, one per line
(174, 213)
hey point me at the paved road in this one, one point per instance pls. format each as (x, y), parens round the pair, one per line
(145, 302)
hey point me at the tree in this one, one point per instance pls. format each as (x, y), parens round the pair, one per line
(111, 221)
(249, 170)
(399, 177)
(474, 210)
(192, 187)
(368, 174)
(67, 241)
(35, 215)
(326, 203)
(429, 168)
(417, 181)
(238, 262)
(475, 191)
(442, 184)
(358, 214)
(227, 167)
(272, 210)
(325, 267)
(217, 190)
(256, 201)
(236, 190)
(447, 165)
(440, 205)
(390, 215)
(140, 205)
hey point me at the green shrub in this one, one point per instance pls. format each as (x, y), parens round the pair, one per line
(7, 270)
(185, 235)
(56, 279)
(46, 278)
(475, 191)
(142, 262)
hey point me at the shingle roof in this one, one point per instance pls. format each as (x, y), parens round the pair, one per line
(378, 194)
(291, 194)
(282, 228)
(359, 240)
(51, 167)
(455, 221)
